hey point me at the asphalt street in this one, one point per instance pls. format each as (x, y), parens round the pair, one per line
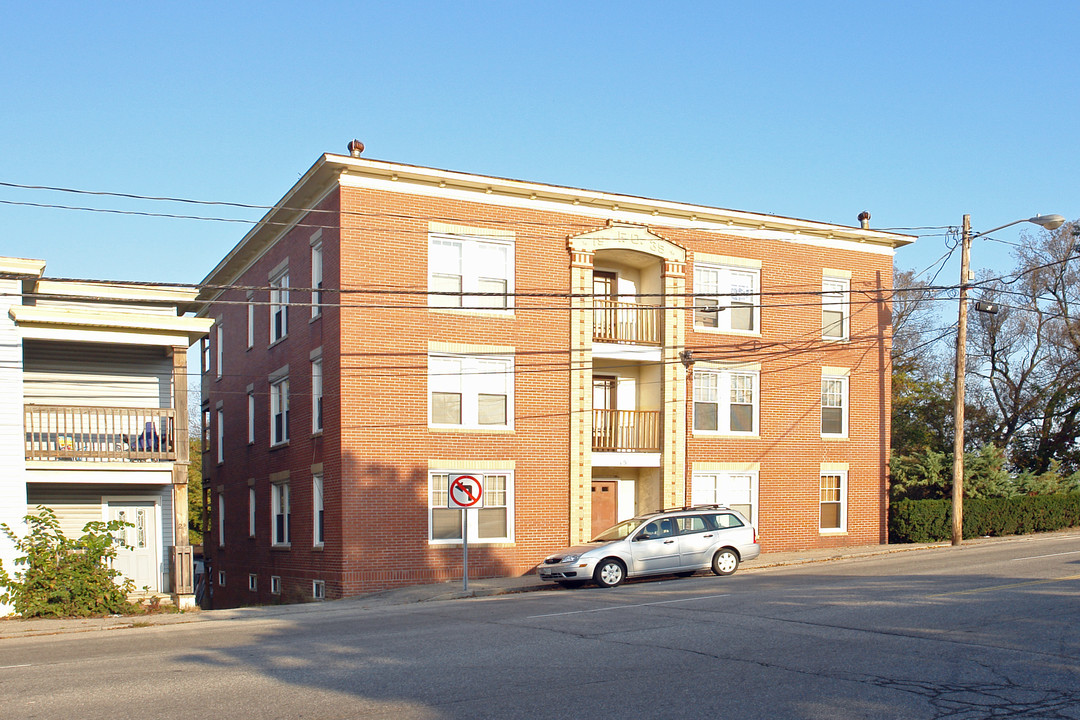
(978, 631)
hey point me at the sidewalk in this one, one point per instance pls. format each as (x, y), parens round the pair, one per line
(14, 628)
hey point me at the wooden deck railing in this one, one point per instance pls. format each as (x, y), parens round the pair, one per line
(623, 322)
(626, 430)
(69, 432)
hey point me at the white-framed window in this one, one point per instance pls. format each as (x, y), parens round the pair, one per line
(251, 512)
(733, 292)
(318, 511)
(219, 346)
(835, 308)
(220, 511)
(316, 395)
(221, 578)
(220, 436)
(316, 274)
(275, 584)
(726, 401)
(279, 305)
(204, 354)
(250, 319)
(206, 427)
(492, 523)
(834, 406)
(279, 411)
(318, 590)
(736, 490)
(253, 582)
(280, 514)
(462, 264)
(251, 415)
(833, 501)
(471, 391)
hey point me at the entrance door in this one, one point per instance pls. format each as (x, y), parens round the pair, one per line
(605, 504)
(605, 427)
(139, 561)
(605, 290)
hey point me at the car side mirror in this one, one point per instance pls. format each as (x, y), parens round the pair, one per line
(643, 536)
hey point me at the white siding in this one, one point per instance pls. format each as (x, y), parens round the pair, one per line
(12, 451)
(60, 373)
(75, 506)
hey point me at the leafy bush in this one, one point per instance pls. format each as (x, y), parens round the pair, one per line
(931, 520)
(65, 577)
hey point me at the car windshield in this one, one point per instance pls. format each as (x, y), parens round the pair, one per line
(620, 531)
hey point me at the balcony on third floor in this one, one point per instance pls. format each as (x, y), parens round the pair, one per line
(626, 323)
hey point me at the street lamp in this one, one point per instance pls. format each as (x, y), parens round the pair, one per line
(1048, 222)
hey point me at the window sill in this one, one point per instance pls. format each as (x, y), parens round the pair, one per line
(836, 339)
(473, 429)
(832, 533)
(722, 434)
(318, 548)
(726, 331)
(279, 445)
(280, 340)
(472, 543)
(833, 437)
(317, 433)
(314, 318)
(494, 313)
(280, 547)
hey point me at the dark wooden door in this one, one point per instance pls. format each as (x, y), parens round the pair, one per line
(605, 502)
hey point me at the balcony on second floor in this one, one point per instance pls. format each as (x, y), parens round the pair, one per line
(627, 431)
(99, 434)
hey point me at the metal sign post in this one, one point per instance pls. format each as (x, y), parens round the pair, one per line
(465, 491)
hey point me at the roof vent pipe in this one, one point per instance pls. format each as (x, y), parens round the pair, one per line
(864, 219)
(355, 148)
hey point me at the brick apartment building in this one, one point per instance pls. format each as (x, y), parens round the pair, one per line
(592, 355)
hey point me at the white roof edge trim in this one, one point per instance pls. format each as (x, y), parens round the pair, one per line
(33, 315)
(384, 169)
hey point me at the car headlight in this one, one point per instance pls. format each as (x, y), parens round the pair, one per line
(570, 558)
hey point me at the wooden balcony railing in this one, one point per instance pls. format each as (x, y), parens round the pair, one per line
(626, 431)
(67, 432)
(623, 322)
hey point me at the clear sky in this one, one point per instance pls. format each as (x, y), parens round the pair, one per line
(917, 111)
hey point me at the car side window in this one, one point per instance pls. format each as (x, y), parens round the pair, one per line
(692, 524)
(657, 529)
(726, 520)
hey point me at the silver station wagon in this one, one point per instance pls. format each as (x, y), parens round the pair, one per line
(672, 542)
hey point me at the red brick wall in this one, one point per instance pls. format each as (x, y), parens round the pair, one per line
(377, 444)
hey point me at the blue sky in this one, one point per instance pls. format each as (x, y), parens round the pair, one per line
(918, 112)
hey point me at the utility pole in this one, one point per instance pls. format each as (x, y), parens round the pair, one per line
(958, 401)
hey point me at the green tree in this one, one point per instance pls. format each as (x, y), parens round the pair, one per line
(195, 492)
(63, 577)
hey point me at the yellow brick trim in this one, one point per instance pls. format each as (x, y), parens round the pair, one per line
(454, 229)
(436, 346)
(834, 467)
(726, 467)
(728, 260)
(470, 464)
(833, 273)
(835, 371)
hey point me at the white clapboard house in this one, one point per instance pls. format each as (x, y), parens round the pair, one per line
(93, 414)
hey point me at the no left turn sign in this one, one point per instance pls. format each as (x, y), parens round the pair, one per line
(466, 491)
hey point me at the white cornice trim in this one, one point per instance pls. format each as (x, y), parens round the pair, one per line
(188, 327)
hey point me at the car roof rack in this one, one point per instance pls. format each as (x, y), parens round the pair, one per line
(708, 506)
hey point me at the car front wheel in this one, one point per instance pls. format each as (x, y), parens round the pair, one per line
(609, 573)
(725, 562)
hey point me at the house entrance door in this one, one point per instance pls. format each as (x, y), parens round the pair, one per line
(138, 561)
(605, 503)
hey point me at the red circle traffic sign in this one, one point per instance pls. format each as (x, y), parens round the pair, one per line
(465, 491)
